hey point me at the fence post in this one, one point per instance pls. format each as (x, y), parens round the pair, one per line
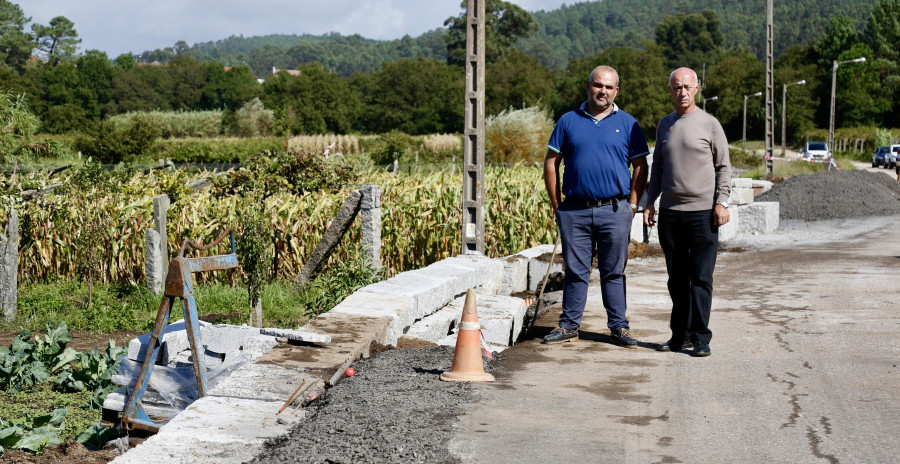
(161, 205)
(330, 239)
(370, 223)
(9, 266)
(153, 259)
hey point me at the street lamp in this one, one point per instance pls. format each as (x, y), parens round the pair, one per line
(834, 69)
(784, 112)
(709, 99)
(744, 139)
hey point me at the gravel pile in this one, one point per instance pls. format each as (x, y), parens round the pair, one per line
(396, 409)
(836, 195)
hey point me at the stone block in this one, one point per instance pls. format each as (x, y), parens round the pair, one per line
(741, 196)
(515, 274)
(741, 182)
(215, 430)
(280, 383)
(153, 403)
(500, 317)
(300, 335)
(761, 186)
(226, 338)
(537, 267)
(488, 273)
(536, 251)
(759, 218)
(731, 229)
(436, 326)
(173, 341)
(399, 309)
(153, 267)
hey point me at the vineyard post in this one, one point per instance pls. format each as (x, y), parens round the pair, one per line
(370, 222)
(153, 266)
(9, 266)
(161, 205)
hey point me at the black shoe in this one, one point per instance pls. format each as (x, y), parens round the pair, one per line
(622, 338)
(674, 346)
(561, 335)
(701, 351)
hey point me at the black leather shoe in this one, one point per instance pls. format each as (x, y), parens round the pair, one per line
(701, 351)
(674, 346)
(561, 335)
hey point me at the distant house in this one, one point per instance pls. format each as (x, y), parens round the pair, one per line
(292, 72)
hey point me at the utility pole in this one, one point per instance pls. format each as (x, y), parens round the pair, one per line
(473, 132)
(770, 93)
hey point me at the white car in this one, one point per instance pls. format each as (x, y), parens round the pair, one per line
(816, 152)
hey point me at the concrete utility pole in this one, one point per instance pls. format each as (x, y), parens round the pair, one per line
(770, 93)
(744, 136)
(784, 113)
(834, 68)
(473, 132)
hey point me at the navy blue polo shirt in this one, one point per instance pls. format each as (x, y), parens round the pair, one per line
(596, 154)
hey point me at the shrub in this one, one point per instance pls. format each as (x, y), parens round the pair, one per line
(291, 171)
(114, 144)
(253, 120)
(15, 117)
(61, 119)
(218, 150)
(390, 147)
(517, 135)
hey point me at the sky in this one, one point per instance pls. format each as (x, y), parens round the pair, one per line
(121, 26)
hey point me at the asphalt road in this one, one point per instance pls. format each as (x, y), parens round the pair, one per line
(805, 348)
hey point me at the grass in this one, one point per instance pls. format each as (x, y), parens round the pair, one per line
(116, 307)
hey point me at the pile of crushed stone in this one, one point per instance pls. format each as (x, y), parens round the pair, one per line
(835, 195)
(395, 409)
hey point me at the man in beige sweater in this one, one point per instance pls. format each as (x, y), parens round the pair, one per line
(691, 176)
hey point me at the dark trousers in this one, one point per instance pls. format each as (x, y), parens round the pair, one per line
(585, 232)
(689, 240)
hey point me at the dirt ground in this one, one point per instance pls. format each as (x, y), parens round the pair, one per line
(83, 340)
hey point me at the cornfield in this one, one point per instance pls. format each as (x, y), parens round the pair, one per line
(421, 223)
(176, 123)
(345, 144)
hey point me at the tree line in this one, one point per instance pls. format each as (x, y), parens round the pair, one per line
(72, 92)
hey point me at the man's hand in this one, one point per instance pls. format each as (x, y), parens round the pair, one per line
(721, 215)
(649, 215)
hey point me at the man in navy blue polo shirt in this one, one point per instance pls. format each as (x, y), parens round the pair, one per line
(596, 143)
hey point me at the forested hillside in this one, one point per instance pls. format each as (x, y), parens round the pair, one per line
(583, 29)
(571, 32)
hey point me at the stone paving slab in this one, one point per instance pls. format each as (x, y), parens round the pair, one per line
(215, 430)
(280, 382)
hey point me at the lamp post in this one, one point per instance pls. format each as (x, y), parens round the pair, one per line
(709, 99)
(784, 112)
(744, 138)
(834, 69)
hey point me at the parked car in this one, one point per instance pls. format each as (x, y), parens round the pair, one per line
(882, 157)
(894, 154)
(816, 152)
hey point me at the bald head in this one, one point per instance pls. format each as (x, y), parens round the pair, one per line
(603, 69)
(684, 85)
(685, 74)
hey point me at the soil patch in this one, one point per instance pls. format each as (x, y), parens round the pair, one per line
(83, 340)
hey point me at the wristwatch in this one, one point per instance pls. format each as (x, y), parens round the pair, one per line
(633, 206)
(723, 203)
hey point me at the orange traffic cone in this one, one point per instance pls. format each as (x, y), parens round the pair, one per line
(467, 365)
